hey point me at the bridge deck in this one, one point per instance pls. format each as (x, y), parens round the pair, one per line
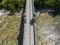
(29, 30)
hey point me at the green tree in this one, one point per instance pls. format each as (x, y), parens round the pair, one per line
(54, 4)
(44, 3)
(39, 3)
(13, 5)
(57, 6)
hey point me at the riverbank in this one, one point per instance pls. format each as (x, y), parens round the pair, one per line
(9, 29)
(47, 28)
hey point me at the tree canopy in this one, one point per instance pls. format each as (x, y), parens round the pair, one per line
(13, 5)
(54, 4)
(17, 5)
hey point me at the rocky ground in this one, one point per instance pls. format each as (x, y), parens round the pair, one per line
(9, 29)
(47, 31)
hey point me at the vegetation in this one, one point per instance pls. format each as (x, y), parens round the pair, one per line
(42, 4)
(13, 5)
(17, 5)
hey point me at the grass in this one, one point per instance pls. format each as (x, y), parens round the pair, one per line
(9, 28)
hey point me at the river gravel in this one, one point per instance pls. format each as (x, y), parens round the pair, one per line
(48, 31)
(9, 29)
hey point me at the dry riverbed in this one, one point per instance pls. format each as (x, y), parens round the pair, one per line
(9, 29)
(47, 30)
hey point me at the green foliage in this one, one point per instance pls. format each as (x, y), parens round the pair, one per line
(44, 3)
(39, 3)
(13, 5)
(57, 6)
(50, 2)
(54, 4)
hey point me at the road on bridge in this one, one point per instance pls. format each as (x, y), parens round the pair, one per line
(28, 38)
